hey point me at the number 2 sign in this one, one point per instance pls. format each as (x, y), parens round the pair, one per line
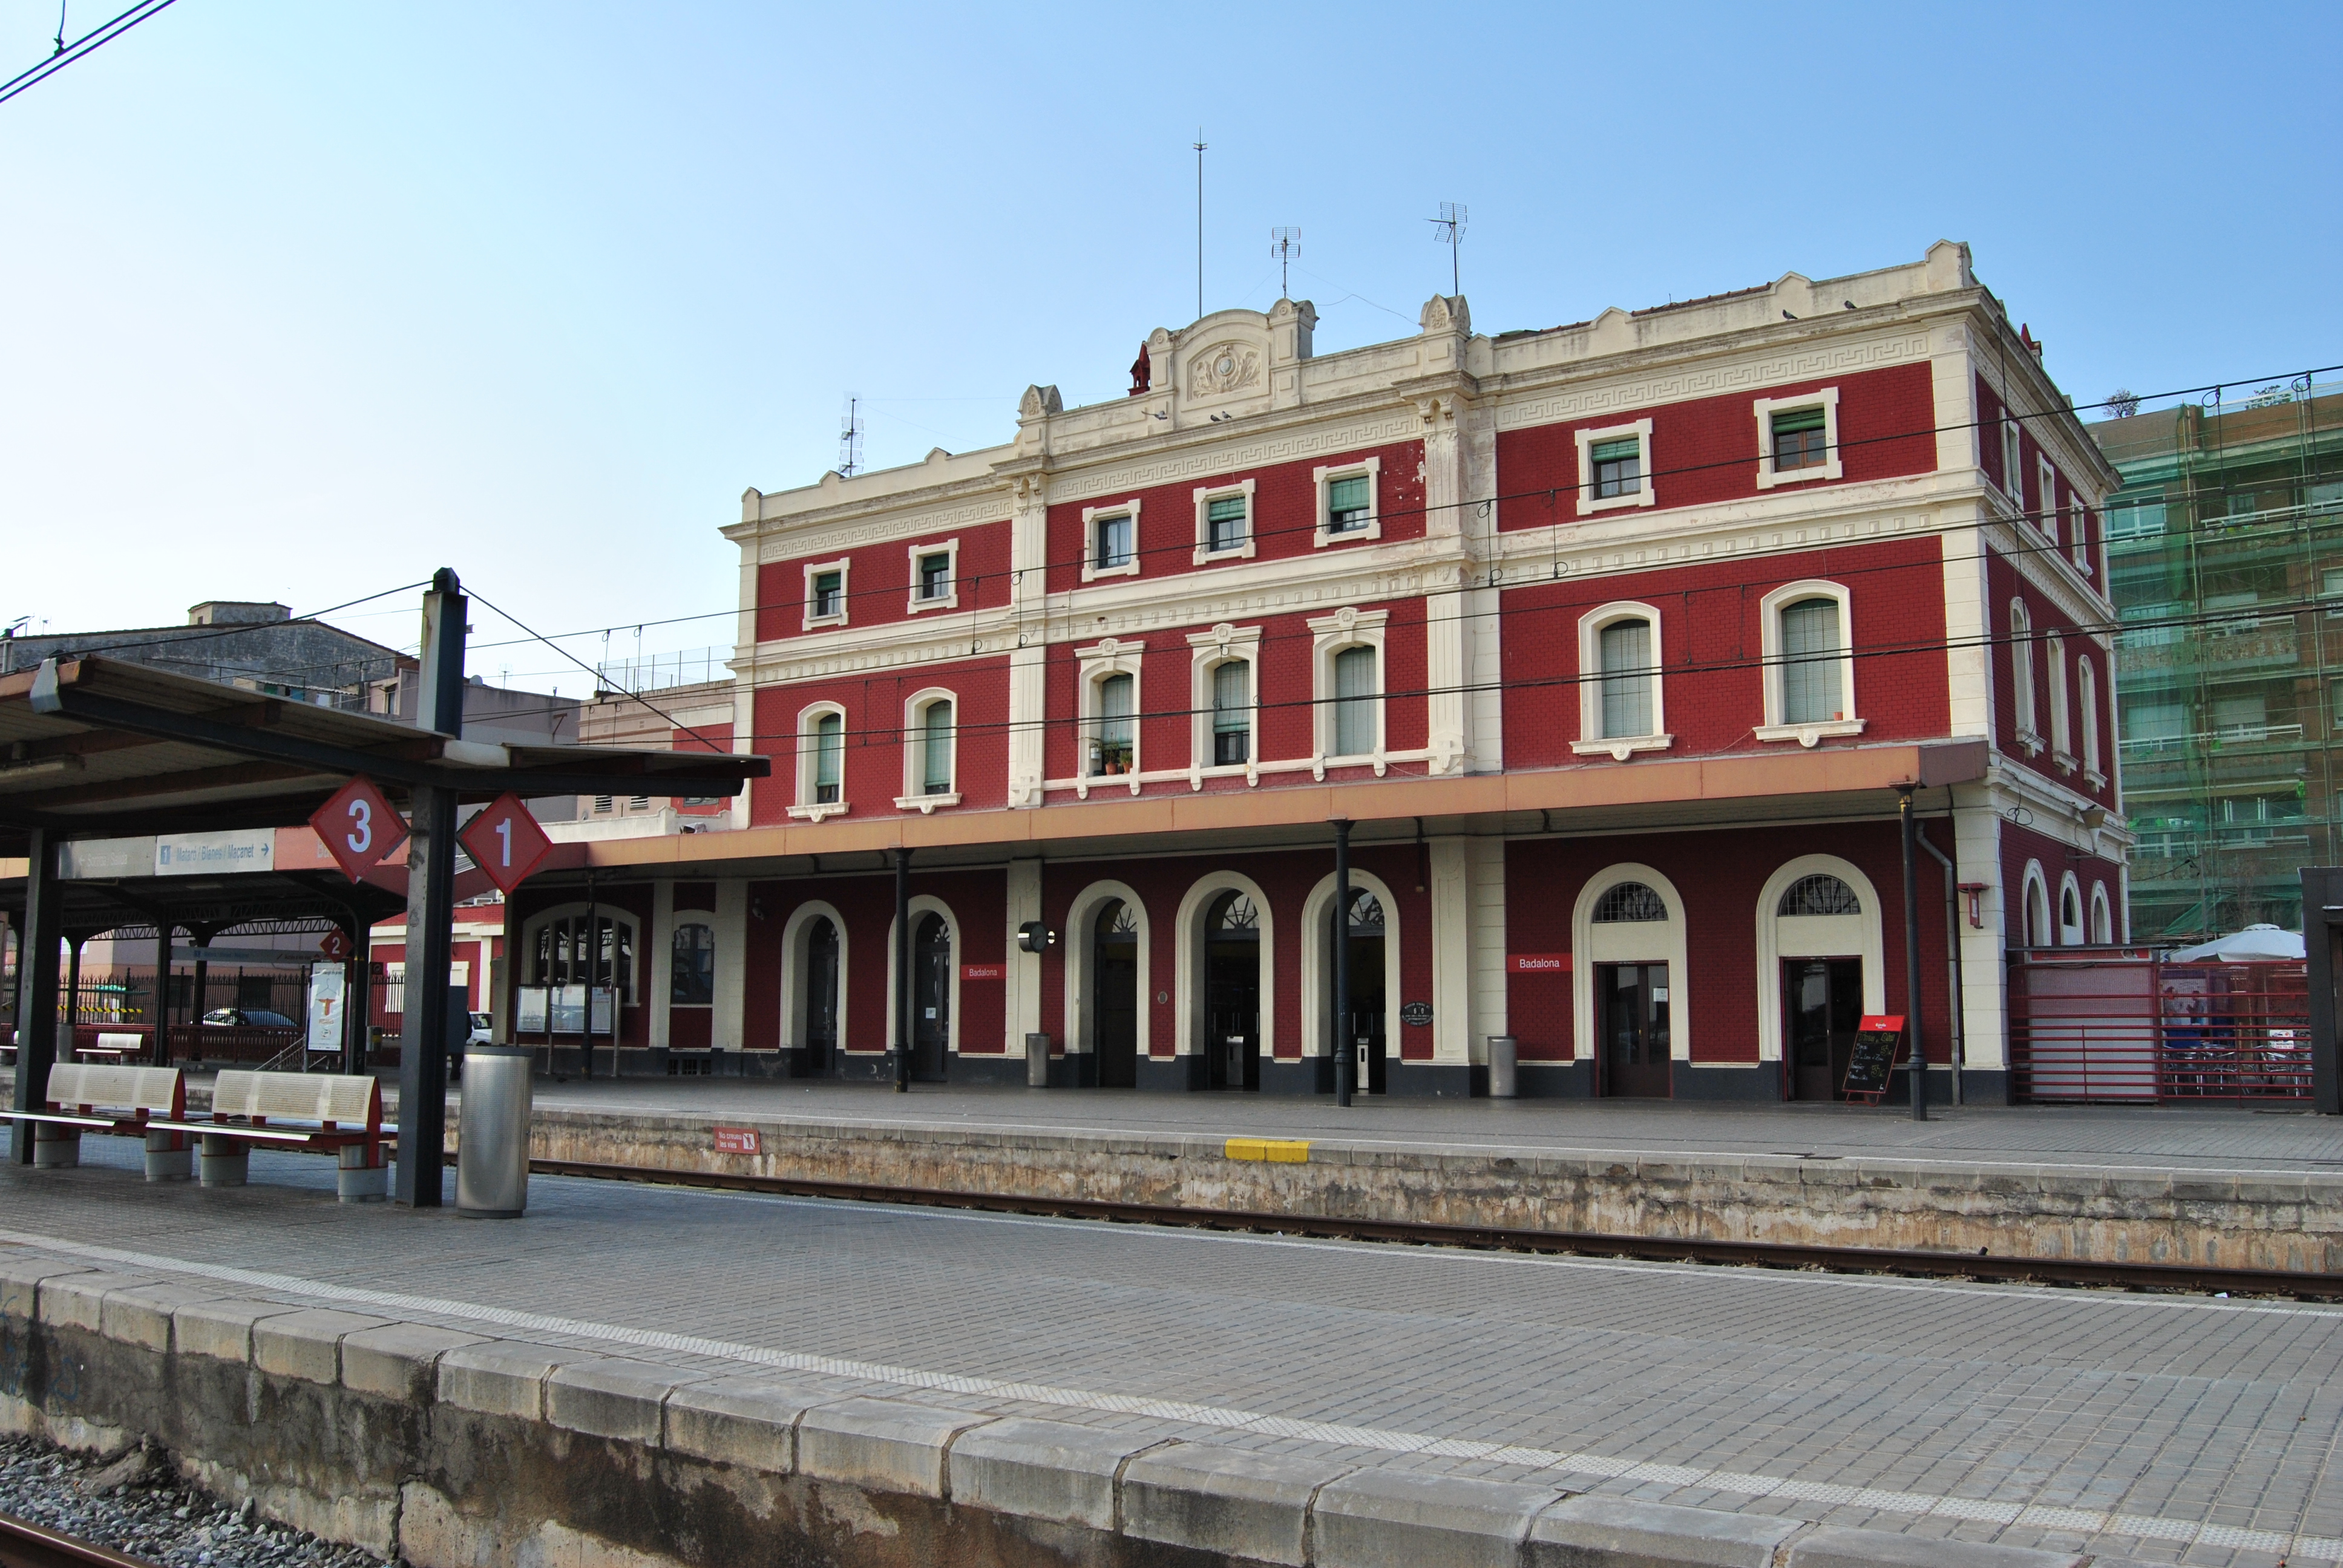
(505, 842)
(358, 826)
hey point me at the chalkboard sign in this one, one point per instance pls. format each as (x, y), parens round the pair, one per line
(1876, 1041)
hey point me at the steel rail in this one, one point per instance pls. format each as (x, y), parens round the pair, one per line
(24, 1544)
(2009, 1268)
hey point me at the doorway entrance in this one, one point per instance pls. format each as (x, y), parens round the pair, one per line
(1115, 976)
(1822, 1002)
(1362, 1033)
(1632, 1014)
(931, 962)
(821, 995)
(1232, 992)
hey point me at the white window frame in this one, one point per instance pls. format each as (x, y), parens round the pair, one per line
(2070, 883)
(1224, 644)
(2078, 533)
(2102, 917)
(1206, 496)
(843, 567)
(2021, 677)
(949, 597)
(1091, 570)
(1347, 628)
(2045, 477)
(1766, 408)
(1108, 656)
(2062, 719)
(1646, 495)
(2086, 690)
(807, 808)
(1323, 479)
(2032, 898)
(1592, 741)
(915, 751)
(2012, 462)
(1769, 610)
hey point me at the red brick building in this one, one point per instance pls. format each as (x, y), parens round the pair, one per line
(1613, 640)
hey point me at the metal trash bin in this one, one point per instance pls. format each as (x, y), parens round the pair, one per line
(1504, 1063)
(492, 1149)
(1037, 1062)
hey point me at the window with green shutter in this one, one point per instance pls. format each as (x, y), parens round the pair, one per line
(1801, 439)
(1618, 467)
(1346, 502)
(1224, 523)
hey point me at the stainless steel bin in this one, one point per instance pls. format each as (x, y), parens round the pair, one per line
(1504, 1063)
(1037, 1062)
(492, 1151)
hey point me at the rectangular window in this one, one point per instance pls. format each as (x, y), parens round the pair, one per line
(1810, 667)
(1112, 548)
(1111, 745)
(935, 575)
(1800, 439)
(2012, 468)
(2222, 617)
(2327, 493)
(1355, 689)
(829, 758)
(1231, 713)
(2330, 588)
(828, 593)
(1346, 504)
(1626, 652)
(2155, 721)
(935, 750)
(1224, 523)
(1618, 468)
(2241, 718)
(2134, 519)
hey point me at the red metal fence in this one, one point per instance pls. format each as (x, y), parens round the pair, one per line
(2128, 1026)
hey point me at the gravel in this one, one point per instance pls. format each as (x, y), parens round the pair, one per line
(135, 1503)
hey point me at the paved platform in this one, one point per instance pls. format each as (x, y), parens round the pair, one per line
(2166, 1429)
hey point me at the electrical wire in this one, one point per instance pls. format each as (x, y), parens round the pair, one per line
(589, 669)
(88, 44)
(206, 634)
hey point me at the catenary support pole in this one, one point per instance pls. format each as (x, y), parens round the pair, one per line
(593, 975)
(902, 970)
(431, 911)
(1911, 958)
(158, 1050)
(36, 981)
(1346, 1050)
(1957, 1018)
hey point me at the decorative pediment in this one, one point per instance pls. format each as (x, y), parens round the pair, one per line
(1224, 369)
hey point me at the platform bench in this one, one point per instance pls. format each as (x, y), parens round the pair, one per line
(148, 1102)
(113, 1047)
(320, 1113)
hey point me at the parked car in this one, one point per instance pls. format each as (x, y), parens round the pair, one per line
(484, 1029)
(246, 1018)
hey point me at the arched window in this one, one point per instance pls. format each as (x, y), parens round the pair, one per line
(2087, 692)
(1622, 707)
(2103, 916)
(936, 748)
(2021, 671)
(561, 951)
(2070, 914)
(1234, 918)
(2062, 728)
(1629, 901)
(1346, 651)
(822, 763)
(1115, 732)
(1821, 894)
(1356, 691)
(1810, 663)
(693, 973)
(1233, 713)
(2037, 913)
(1627, 679)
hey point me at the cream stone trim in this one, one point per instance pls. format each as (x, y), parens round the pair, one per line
(1224, 644)
(727, 1022)
(2103, 920)
(1206, 496)
(1780, 937)
(1647, 492)
(1766, 408)
(1081, 963)
(1330, 634)
(1107, 656)
(1592, 741)
(661, 953)
(1317, 970)
(796, 937)
(1640, 941)
(1769, 612)
(1188, 997)
(843, 566)
(1323, 479)
(949, 597)
(1091, 570)
(921, 904)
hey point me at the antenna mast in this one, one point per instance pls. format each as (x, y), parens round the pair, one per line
(850, 438)
(1200, 223)
(1284, 244)
(1448, 229)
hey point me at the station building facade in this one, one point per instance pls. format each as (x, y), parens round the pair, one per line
(1617, 645)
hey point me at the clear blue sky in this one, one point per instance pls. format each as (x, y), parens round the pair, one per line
(305, 300)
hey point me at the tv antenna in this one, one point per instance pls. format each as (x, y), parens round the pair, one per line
(1199, 146)
(1448, 229)
(850, 438)
(1284, 244)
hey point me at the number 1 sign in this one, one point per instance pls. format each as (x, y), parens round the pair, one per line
(505, 842)
(358, 826)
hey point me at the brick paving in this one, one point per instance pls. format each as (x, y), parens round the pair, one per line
(2166, 1427)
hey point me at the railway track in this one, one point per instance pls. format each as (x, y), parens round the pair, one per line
(27, 1545)
(2180, 1278)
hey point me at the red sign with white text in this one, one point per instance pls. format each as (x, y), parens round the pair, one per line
(980, 971)
(334, 947)
(505, 842)
(358, 826)
(738, 1140)
(1540, 963)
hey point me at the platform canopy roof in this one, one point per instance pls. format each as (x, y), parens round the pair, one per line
(99, 747)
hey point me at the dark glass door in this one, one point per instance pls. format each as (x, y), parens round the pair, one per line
(821, 995)
(1364, 1037)
(1632, 1004)
(930, 999)
(1233, 993)
(1114, 964)
(1822, 1002)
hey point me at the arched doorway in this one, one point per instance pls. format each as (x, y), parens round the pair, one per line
(1632, 999)
(1233, 991)
(932, 961)
(1819, 925)
(1114, 970)
(1364, 1033)
(820, 994)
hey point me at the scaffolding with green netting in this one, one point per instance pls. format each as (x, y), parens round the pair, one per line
(2225, 558)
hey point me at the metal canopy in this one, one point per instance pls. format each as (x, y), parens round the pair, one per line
(93, 746)
(202, 904)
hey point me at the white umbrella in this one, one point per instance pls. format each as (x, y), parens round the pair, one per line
(2258, 941)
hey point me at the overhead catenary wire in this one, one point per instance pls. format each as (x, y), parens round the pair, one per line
(87, 43)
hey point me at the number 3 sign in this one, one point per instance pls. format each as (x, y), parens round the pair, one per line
(505, 842)
(358, 826)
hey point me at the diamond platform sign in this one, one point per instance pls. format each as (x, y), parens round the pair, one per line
(334, 947)
(358, 826)
(505, 842)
